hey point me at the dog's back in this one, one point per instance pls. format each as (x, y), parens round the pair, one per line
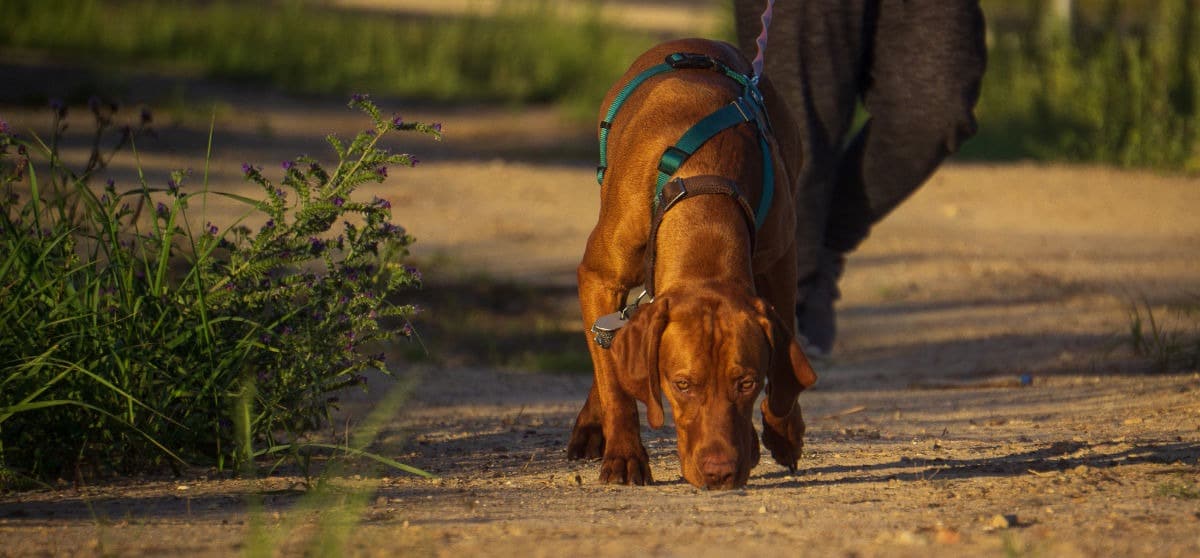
(661, 110)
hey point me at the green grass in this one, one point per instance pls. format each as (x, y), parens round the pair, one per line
(528, 52)
(1168, 339)
(1178, 489)
(1120, 85)
(134, 341)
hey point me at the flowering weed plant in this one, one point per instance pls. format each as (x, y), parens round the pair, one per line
(131, 340)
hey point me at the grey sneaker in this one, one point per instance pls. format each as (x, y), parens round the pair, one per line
(815, 319)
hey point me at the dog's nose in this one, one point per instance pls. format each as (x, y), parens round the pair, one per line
(718, 472)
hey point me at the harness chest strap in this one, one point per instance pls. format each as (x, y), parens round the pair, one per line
(747, 108)
(680, 189)
(675, 191)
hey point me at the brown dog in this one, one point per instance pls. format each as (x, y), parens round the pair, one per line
(712, 337)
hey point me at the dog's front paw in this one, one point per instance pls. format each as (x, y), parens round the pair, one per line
(587, 442)
(626, 467)
(784, 437)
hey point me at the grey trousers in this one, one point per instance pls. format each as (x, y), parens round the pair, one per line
(916, 66)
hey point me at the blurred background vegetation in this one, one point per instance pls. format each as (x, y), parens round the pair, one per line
(1105, 81)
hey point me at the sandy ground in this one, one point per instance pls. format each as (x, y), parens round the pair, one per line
(921, 440)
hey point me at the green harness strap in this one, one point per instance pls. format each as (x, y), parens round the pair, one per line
(619, 100)
(746, 108)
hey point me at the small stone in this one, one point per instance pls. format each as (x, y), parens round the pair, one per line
(946, 535)
(1001, 521)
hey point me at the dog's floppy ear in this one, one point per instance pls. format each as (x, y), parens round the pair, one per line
(790, 371)
(635, 349)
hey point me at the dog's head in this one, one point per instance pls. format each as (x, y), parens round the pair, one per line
(710, 356)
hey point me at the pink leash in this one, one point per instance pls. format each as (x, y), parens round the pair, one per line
(761, 41)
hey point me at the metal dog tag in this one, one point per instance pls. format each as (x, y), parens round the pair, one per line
(606, 327)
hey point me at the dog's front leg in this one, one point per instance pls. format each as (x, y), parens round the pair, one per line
(607, 426)
(783, 433)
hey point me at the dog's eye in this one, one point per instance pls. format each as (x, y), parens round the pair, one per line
(747, 384)
(683, 385)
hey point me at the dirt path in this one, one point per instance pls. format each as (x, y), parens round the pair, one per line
(921, 440)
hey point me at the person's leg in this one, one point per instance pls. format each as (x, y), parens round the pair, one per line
(816, 55)
(927, 61)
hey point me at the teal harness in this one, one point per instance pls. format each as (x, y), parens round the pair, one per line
(746, 108)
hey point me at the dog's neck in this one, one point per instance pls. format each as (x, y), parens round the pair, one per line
(704, 241)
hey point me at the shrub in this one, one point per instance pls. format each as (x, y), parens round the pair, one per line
(132, 341)
(1119, 84)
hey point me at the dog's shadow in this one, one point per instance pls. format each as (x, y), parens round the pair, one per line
(1049, 458)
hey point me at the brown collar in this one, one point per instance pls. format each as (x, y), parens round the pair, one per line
(680, 189)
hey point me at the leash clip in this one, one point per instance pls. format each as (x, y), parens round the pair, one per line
(606, 326)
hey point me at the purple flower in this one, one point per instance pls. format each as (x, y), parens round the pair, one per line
(110, 183)
(173, 186)
(161, 209)
(104, 199)
(58, 107)
(270, 224)
(381, 171)
(381, 203)
(316, 244)
(416, 273)
(210, 228)
(437, 126)
(338, 201)
(397, 122)
(248, 169)
(279, 192)
(287, 165)
(359, 97)
(413, 160)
